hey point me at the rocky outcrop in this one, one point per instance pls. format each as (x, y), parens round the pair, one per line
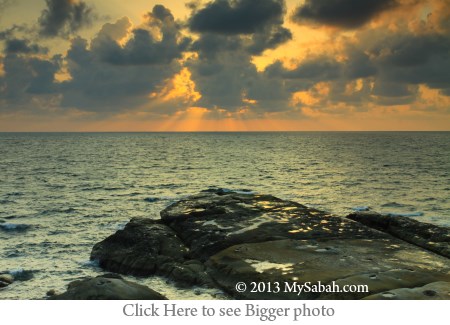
(431, 237)
(215, 220)
(237, 237)
(147, 247)
(107, 287)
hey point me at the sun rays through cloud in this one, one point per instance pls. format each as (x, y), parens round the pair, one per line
(225, 65)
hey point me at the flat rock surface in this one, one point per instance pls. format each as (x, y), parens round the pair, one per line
(381, 264)
(107, 287)
(214, 220)
(428, 236)
(432, 291)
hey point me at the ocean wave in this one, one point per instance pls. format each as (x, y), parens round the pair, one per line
(14, 194)
(151, 199)
(238, 191)
(66, 210)
(361, 208)
(89, 263)
(396, 205)
(6, 201)
(21, 274)
(411, 214)
(17, 227)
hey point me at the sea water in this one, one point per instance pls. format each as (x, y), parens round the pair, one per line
(60, 193)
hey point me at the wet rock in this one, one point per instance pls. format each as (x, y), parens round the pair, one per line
(6, 280)
(140, 248)
(432, 291)
(428, 236)
(221, 238)
(51, 293)
(107, 287)
(381, 264)
(147, 247)
(215, 220)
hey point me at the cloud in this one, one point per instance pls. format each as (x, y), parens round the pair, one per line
(118, 70)
(230, 82)
(230, 33)
(63, 17)
(156, 69)
(99, 86)
(414, 59)
(255, 26)
(314, 70)
(112, 75)
(24, 77)
(341, 13)
(236, 17)
(143, 48)
(15, 45)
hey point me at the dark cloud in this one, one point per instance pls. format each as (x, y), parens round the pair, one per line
(106, 76)
(11, 31)
(231, 32)
(26, 76)
(408, 50)
(414, 59)
(124, 68)
(16, 46)
(210, 45)
(99, 86)
(271, 40)
(359, 64)
(143, 48)
(341, 13)
(109, 77)
(63, 17)
(313, 70)
(239, 25)
(230, 81)
(237, 16)
(384, 70)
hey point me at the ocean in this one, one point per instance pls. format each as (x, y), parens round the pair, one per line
(61, 193)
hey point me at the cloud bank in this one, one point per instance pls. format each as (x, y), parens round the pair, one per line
(166, 67)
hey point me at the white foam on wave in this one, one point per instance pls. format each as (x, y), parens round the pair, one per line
(121, 226)
(245, 192)
(17, 271)
(89, 263)
(13, 226)
(361, 208)
(20, 274)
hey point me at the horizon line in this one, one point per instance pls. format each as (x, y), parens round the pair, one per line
(241, 131)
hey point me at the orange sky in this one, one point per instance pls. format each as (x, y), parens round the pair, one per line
(157, 72)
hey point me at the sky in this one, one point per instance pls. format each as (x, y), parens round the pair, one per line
(224, 65)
